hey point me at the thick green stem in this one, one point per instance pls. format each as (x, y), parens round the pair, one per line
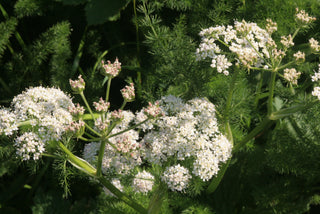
(123, 104)
(87, 104)
(216, 181)
(258, 91)
(121, 195)
(78, 162)
(100, 156)
(271, 92)
(108, 89)
(256, 131)
(229, 98)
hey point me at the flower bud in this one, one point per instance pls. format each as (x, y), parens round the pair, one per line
(111, 69)
(77, 85)
(128, 93)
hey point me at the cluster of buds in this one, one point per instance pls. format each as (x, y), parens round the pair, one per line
(76, 110)
(271, 26)
(76, 127)
(153, 111)
(117, 115)
(299, 57)
(292, 75)
(77, 85)
(128, 93)
(101, 106)
(303, 18)
(287, 41)
(314, 44)
(111, 69)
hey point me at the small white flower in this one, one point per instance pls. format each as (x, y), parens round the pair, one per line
(316, 92)
(29, 145)
(314, 44)
(316, 76)
(176, 177)
(291, 75)
(47, 108)
(143, 182)
(8, 123)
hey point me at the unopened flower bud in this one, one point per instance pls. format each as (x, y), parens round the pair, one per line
(77, 85)
(128, 93)
(299, 57)
(303, 18)
(111, 69)
(76, 128)
(76, 110)
(153, 111)
(101, 106)
(117, 115)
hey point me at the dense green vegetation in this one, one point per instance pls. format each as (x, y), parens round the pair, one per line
(48, 42)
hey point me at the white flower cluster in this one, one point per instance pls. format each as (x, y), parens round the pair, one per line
(124, 152)
(176, 177)
(251, 45)
(46, 109)
(316, 78)
(8, 122)
(287, 41)
(291, 75)
(143, 182)
(316, 92)
(303, 18)
(188, 131)
(29, 145)
(248, 41)
(314, 44)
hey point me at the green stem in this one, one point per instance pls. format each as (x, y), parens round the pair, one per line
(284, 66)
(258, 91)
(78, 162)
(108, 89)
(137, 30)
(100, 156)
(123, 104)
(230, 95)
(78, 56)
(295, 33)
(222, 42)
(16, 33)
(256, 131)
(92, 130)
(89, 140)
(259, 69)
(128, 129)
(121, 195)
(89, 116)
(87, 104)
(271, 92)
(216, 181)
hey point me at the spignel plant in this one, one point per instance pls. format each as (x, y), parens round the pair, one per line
(172, 146)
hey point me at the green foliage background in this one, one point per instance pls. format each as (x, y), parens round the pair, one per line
(46, 42)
